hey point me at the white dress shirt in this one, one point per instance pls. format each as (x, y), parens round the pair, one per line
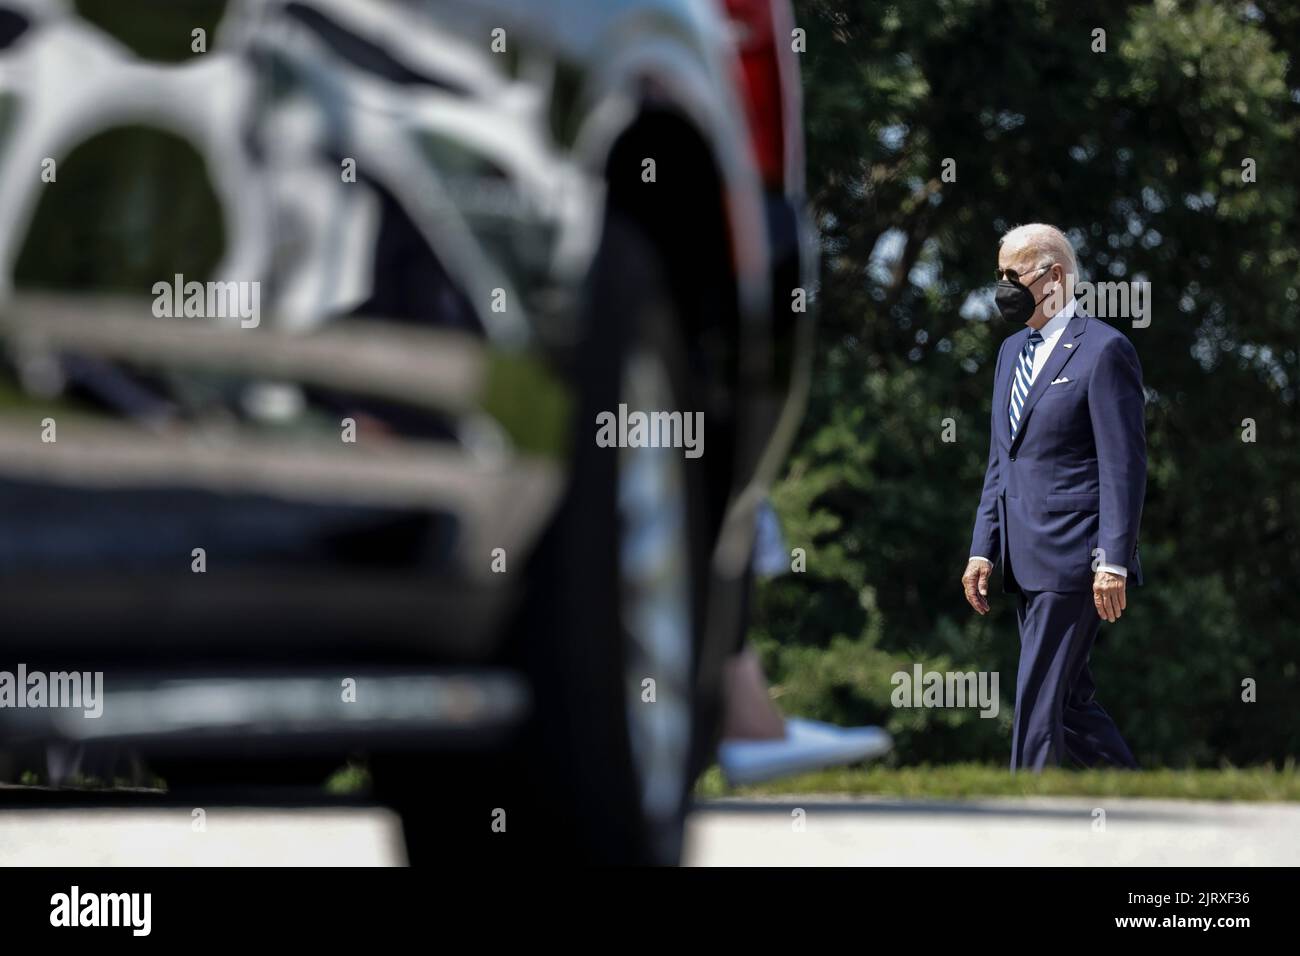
(1051, 332)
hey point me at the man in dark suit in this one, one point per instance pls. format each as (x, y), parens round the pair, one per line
(1062, 497)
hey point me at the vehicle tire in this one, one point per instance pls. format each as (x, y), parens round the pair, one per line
(619, 594)
(615, 598)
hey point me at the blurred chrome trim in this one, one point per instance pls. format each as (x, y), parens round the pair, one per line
(284, 708)
(433, 368)
(499, 507)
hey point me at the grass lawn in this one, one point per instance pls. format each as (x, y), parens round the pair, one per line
(982, 780)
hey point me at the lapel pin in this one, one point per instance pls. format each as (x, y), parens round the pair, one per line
(1067, 345)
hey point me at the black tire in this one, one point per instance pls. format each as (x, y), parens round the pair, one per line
(581, 674)
(571, 789)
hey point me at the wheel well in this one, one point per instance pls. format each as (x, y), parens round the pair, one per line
(683, 212)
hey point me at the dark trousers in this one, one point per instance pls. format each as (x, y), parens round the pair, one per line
(1057, 713)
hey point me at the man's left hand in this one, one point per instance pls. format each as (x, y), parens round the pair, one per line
(1108, 595)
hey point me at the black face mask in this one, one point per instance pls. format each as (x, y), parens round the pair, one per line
(1015, 301)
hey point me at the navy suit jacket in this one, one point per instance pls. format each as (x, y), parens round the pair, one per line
(1074, 478)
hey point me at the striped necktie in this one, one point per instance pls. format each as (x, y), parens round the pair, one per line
(1024, 375)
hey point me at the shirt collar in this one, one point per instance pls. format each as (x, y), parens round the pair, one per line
(1056, 324)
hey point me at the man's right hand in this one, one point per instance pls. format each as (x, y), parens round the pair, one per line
(975, 584)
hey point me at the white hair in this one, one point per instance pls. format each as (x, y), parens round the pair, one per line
(1046, 244)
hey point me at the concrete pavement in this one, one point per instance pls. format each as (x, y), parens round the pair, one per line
(794, 831)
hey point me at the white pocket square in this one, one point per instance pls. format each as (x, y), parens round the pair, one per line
(1058, 381)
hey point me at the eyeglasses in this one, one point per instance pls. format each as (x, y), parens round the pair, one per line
(1013, 276)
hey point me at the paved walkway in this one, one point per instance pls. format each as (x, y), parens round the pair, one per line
(844, 832)
(1037, 831)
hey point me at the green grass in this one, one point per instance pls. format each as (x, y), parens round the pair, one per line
(949, 782)
(349, 780)
(979, 780)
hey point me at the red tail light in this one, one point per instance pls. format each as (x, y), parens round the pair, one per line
(762, 40)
